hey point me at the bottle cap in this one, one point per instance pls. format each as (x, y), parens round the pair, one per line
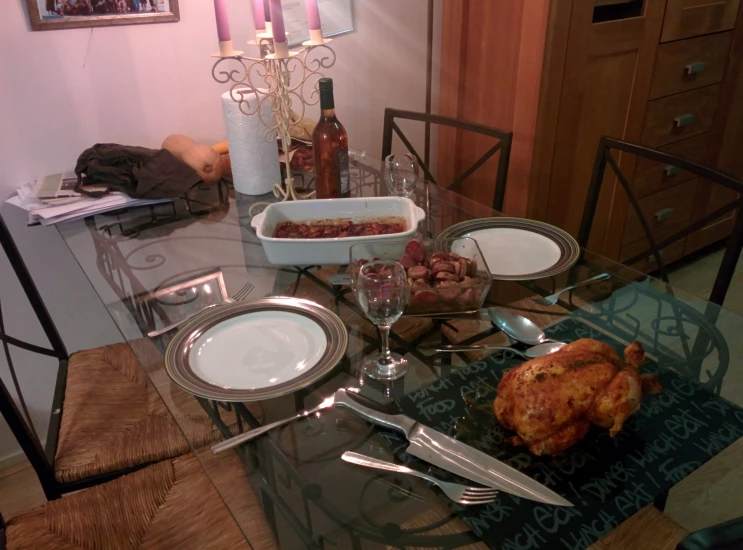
(326, 84)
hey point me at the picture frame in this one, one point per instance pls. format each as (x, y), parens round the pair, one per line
(71, 14)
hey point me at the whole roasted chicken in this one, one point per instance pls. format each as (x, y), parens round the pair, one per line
(550, 402)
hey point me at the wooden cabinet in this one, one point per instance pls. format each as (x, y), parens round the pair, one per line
(605, 62)
(667, 74)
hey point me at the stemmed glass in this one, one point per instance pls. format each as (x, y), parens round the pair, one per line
(381, 289)
(401, 174)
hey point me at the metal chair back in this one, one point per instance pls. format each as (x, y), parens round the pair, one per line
(15, 411)
(503, 144)
(734, 242)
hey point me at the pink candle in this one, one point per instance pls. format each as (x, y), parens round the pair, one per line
(313, 14)
(259, 17)
(266, 10)
(277, 21)
(223, 22)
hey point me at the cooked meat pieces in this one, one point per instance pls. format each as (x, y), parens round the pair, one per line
(418, 272)
(448, 273)
(416, 251)
(332, 230)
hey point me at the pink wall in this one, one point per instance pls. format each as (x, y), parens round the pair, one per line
(62, 91)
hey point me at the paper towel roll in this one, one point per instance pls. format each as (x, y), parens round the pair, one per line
(255, 162)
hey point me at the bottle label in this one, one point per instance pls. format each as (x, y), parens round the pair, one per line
(344, 172)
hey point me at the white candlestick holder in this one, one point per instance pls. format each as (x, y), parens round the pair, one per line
(287, 80)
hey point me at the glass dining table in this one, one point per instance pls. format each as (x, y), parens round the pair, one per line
(290, 489)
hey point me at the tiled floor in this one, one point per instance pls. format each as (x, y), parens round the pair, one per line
(713, 494)
(698, 276)
(722, 499)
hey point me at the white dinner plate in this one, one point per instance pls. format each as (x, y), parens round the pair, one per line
(256, 349)
(516, 249)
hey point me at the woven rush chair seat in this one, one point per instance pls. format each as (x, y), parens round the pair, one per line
(169, 505)
(114, 419)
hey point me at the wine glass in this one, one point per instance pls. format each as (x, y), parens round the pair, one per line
(401, 174)
(382, 292)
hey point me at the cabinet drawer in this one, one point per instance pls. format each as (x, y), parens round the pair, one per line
(690, 64)
(666, 212)
(651, 176)
(711, 233)
(679, 116)
(687, 18)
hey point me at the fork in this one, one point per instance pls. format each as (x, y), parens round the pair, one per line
(551, 300)
(456, 492)
(239, 295)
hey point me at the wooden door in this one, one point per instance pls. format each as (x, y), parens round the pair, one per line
(605, 87)
(491, 67)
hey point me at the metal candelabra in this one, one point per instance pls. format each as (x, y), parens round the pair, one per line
(287, 80)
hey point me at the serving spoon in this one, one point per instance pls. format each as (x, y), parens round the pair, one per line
(520, 328)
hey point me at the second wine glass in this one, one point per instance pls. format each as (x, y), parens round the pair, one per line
(401, 174)
(382, 292)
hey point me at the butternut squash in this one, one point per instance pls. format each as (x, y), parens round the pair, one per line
(227, 164)
(222, 147)
(202, 158)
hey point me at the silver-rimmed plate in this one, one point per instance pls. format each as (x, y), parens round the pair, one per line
(517, 249)
(256, 349)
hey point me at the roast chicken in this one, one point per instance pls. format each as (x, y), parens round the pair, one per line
(550, 402)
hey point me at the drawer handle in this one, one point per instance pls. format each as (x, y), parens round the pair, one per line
(663, 214)
(671, 170)
(683, 120)
(696, 67)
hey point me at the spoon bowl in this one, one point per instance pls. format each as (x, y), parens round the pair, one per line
(540, 350)
(518, 327)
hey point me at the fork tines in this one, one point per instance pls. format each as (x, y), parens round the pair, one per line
(244, 291)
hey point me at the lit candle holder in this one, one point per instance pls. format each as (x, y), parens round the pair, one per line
(313, 19)
(280, 44)
(259, 17)
(223, 28)
(267, 16)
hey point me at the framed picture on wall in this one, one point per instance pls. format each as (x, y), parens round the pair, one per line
(64, 14)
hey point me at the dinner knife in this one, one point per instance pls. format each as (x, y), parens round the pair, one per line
(454, 456)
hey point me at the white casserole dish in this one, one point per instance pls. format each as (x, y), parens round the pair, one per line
(329, 251)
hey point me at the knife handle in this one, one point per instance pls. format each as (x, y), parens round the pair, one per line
(397, 422)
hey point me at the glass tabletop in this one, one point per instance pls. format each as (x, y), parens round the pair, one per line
(289, 489)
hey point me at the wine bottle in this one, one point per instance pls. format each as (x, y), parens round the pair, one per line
(330, 146)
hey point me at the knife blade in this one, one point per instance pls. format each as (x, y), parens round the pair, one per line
(454, 456)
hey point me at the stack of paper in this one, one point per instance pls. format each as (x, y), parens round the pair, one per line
(57, 210)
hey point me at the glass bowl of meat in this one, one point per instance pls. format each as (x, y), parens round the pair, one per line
(445, 275)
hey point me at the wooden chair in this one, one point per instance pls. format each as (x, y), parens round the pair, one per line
(106, 417)
(168, 505)
(734, 242)
(503, 145)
